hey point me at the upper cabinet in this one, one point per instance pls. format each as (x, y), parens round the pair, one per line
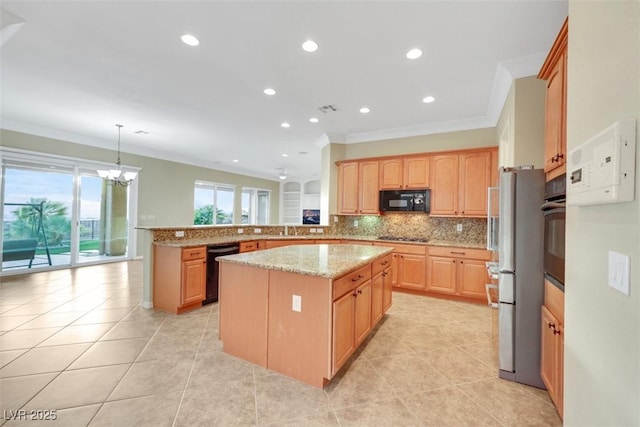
(459, 183)
(404, 173)
(554, 71)
(358, 187)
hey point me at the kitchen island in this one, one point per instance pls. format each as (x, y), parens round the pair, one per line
(302, 310)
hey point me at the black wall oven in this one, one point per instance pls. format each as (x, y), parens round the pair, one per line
(554, 230)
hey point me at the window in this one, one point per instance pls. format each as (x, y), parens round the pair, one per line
(210, 197)
(255, 206)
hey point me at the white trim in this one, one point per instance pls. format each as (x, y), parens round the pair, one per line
(146, 304)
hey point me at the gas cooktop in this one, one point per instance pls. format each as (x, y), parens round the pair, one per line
(404, 239)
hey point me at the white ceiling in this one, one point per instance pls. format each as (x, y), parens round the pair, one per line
(75, 69)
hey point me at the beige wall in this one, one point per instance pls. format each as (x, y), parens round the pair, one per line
(520, 128)
(165, 189)
(423, 144)
(602, 343)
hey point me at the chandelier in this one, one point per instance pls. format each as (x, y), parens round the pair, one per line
(116, 176)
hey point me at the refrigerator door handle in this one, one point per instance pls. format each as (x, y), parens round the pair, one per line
(506, 287)
(507, 226)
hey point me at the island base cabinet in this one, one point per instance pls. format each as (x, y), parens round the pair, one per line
(377, 294)
(343, 330)
(243, 312)
(299, 341)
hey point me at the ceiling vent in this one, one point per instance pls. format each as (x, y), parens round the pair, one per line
(328, 108)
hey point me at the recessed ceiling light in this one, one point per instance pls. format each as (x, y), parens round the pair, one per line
(303, 152)
(414, 54)
(190, 40)
(314, 120)
(284, 155)
(285, 125)
(235, 160)
(310, 46)
(364, 110)
(269, 91)
(428, 99)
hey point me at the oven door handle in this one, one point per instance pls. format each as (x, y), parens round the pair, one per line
(552, 205)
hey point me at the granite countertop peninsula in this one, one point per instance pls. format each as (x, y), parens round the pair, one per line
(329, 261)
(185, 243)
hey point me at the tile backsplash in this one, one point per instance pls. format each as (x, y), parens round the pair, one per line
(411, 225)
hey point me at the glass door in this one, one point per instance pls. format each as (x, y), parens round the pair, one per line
(36, 216)
(103, 225)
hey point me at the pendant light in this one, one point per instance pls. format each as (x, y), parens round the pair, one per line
(116, 176)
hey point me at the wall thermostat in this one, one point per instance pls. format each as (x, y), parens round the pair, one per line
(602, 169)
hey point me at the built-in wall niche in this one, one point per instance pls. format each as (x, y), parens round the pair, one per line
(297, 197)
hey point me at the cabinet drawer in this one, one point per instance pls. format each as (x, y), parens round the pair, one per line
(380, 264)
(194, 253)
(405, 249)
(467, 253)
(350, 281)
(248, 246)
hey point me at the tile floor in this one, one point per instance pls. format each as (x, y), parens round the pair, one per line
(76, 341)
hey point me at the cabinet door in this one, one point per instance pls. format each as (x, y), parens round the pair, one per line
(548, 350)
(193, 281)
(348, 188)
(411, 271)
(475, 175)
(362, 312)
(368, 188)
(444, 185)
(554, 117)
(472, 278)
(442, 275)
(560, 370)
(394, 269)
(343, 329)
(387, 294)
(416, 172)
(391, 174)
(377, 291)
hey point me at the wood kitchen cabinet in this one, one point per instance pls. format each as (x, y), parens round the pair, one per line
(458, 271)
(351, 314)
(380, 287)
(404, 173)
(358, 187)
(270, 244)
(554, 71)
(459, 184)
(552, 344)
(407, 265)
(179, 278)
(251, 246)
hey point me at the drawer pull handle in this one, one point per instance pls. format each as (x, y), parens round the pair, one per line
(355, 279)
(359, 291)
(551, 325)
(556, 332)
(458, 253)
(195, 253)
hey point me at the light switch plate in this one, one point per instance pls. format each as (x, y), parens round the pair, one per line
(257, 230)
(320, 230)
(459, 228)
(296, 303)
(240, 230)
(619, 272)
(180, 233)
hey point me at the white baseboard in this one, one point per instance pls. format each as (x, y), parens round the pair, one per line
(146, 304)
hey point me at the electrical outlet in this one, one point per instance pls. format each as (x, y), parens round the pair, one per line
(257, 230)
(312, 230)
(335, 218)
(296, 303)
(240, 230)
(355, 222)
(459, 228)
(320, 230)
(180, 233)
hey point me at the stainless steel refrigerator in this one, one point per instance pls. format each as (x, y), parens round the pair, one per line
(521, 277)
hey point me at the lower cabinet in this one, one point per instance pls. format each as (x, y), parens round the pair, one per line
(552, 344)
(458, 271)
(408, 263)
(270, 244)
(179, 278)
(251, 246)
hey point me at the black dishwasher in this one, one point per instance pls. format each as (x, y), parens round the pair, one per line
(213, 268)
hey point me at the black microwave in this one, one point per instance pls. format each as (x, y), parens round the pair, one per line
(405, 200)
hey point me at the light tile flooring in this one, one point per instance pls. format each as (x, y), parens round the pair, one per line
(76, 341)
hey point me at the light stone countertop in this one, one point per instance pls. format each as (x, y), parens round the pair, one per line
(185, 243)
(329, 261)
